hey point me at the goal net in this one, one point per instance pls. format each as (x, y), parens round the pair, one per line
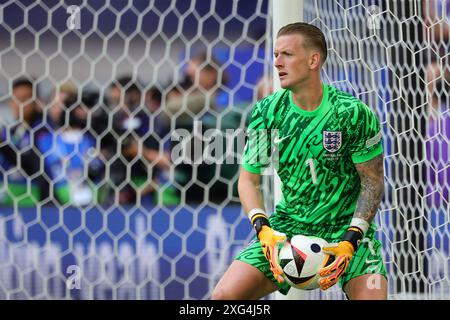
(122, 126)
(393, 55)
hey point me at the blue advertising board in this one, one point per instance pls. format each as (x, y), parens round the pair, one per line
(117, 253)
(140, 252)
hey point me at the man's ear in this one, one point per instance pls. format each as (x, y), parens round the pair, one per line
(314, 60)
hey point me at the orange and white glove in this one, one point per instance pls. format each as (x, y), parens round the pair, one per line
(269, 240)
(343, 252)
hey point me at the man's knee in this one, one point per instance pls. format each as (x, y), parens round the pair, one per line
(242, 282)
(220, 294)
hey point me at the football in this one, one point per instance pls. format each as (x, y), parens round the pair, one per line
(301, 257)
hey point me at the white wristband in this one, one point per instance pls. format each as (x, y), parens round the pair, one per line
(255, 211)
(360, 223)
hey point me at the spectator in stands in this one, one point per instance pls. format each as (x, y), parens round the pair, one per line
(196, 93)
(438, 152)
(153, 99)
(155, 153)
(436, 14)
(437, 18)
(191, 105)
(71, 155)
(131, 146)
(20, 149)
(65, 92)
(128, 124)
(438, 185)
(125, 92)
(264, 87)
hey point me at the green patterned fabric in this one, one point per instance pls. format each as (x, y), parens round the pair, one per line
(329, 140)
(314, 153)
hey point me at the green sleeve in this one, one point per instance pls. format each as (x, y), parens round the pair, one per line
(257, 149)
(367, 139)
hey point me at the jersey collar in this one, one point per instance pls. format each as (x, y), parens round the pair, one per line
(320, 109)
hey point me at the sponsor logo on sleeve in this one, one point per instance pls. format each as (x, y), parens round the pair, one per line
(374, 140)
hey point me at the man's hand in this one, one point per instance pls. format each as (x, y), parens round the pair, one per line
(269, 240)
(343, 252)
(330, 274)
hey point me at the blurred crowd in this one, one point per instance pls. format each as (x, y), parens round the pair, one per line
(84, 147)
(113, 146)
(437, 78)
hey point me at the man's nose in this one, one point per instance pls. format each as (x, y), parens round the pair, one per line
(278, 62)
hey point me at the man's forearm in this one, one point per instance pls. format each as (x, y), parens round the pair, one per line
(250, 196)
(250, 192)
(372, 188)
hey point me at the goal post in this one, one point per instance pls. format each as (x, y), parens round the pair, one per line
(283, 12)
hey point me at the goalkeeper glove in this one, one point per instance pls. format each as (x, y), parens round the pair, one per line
(269, 240)
(343, 252)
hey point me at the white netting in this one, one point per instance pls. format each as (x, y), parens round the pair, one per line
(93, 205)
(120, 221)
(393, 55)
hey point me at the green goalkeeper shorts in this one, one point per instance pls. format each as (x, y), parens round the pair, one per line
(366, 260)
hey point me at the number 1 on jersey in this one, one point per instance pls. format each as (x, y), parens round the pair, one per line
(310, 162)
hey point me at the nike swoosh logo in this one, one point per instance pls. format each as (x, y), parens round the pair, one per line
(371, 261)
(278, 140)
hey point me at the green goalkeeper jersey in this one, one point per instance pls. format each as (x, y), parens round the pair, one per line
(314, 152)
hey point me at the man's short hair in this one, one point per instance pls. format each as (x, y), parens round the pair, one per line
(22, 82)
(127, 83)
(155, 93)
(210, 63)
(313, 37)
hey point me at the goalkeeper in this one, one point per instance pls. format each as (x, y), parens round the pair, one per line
(330, 162)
